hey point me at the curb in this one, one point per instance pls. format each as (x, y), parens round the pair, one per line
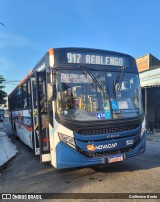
(3, 166)
(8, 150)
(153, 138)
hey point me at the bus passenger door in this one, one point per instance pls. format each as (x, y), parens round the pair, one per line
(40, 116)
(35, 118)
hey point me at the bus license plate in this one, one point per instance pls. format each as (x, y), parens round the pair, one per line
(114, 159)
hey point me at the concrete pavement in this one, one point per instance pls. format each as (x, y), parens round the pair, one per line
(7, 148)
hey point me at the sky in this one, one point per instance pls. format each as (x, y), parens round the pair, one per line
(34, 26)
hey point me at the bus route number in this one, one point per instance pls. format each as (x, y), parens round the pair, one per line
(73, 57)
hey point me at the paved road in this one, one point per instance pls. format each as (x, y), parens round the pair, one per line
(26, 174)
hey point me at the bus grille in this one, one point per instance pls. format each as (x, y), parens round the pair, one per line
(89, 154)
(112, 129)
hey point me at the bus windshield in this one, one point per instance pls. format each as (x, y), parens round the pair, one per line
(80, 98)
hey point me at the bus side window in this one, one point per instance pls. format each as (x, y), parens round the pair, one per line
(24, 96)
(28, 94)
(17, 99)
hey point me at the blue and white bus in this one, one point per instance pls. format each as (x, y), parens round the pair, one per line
(80, 107)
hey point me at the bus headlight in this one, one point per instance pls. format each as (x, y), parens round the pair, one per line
(143, 129)
(67, 139)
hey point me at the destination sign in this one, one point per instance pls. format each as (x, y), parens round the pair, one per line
(94, 58)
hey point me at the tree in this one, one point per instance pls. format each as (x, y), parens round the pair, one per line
(3, 94)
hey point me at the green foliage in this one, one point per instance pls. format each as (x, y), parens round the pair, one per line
(3, 94)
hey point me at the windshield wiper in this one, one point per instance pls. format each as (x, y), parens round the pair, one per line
(94, 79)
(119, 82)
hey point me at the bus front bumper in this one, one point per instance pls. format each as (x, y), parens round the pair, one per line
(67, 157)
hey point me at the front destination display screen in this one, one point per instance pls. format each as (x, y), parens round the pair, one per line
(93, 58)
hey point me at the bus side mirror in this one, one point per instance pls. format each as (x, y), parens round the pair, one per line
(54, 92)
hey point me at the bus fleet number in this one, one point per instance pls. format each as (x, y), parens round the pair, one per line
(73, 58)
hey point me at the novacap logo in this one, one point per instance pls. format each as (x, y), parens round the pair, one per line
(91, 147)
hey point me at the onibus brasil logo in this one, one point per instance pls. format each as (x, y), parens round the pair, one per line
(91, 147)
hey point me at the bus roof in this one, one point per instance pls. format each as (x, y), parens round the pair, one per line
(91, 49)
